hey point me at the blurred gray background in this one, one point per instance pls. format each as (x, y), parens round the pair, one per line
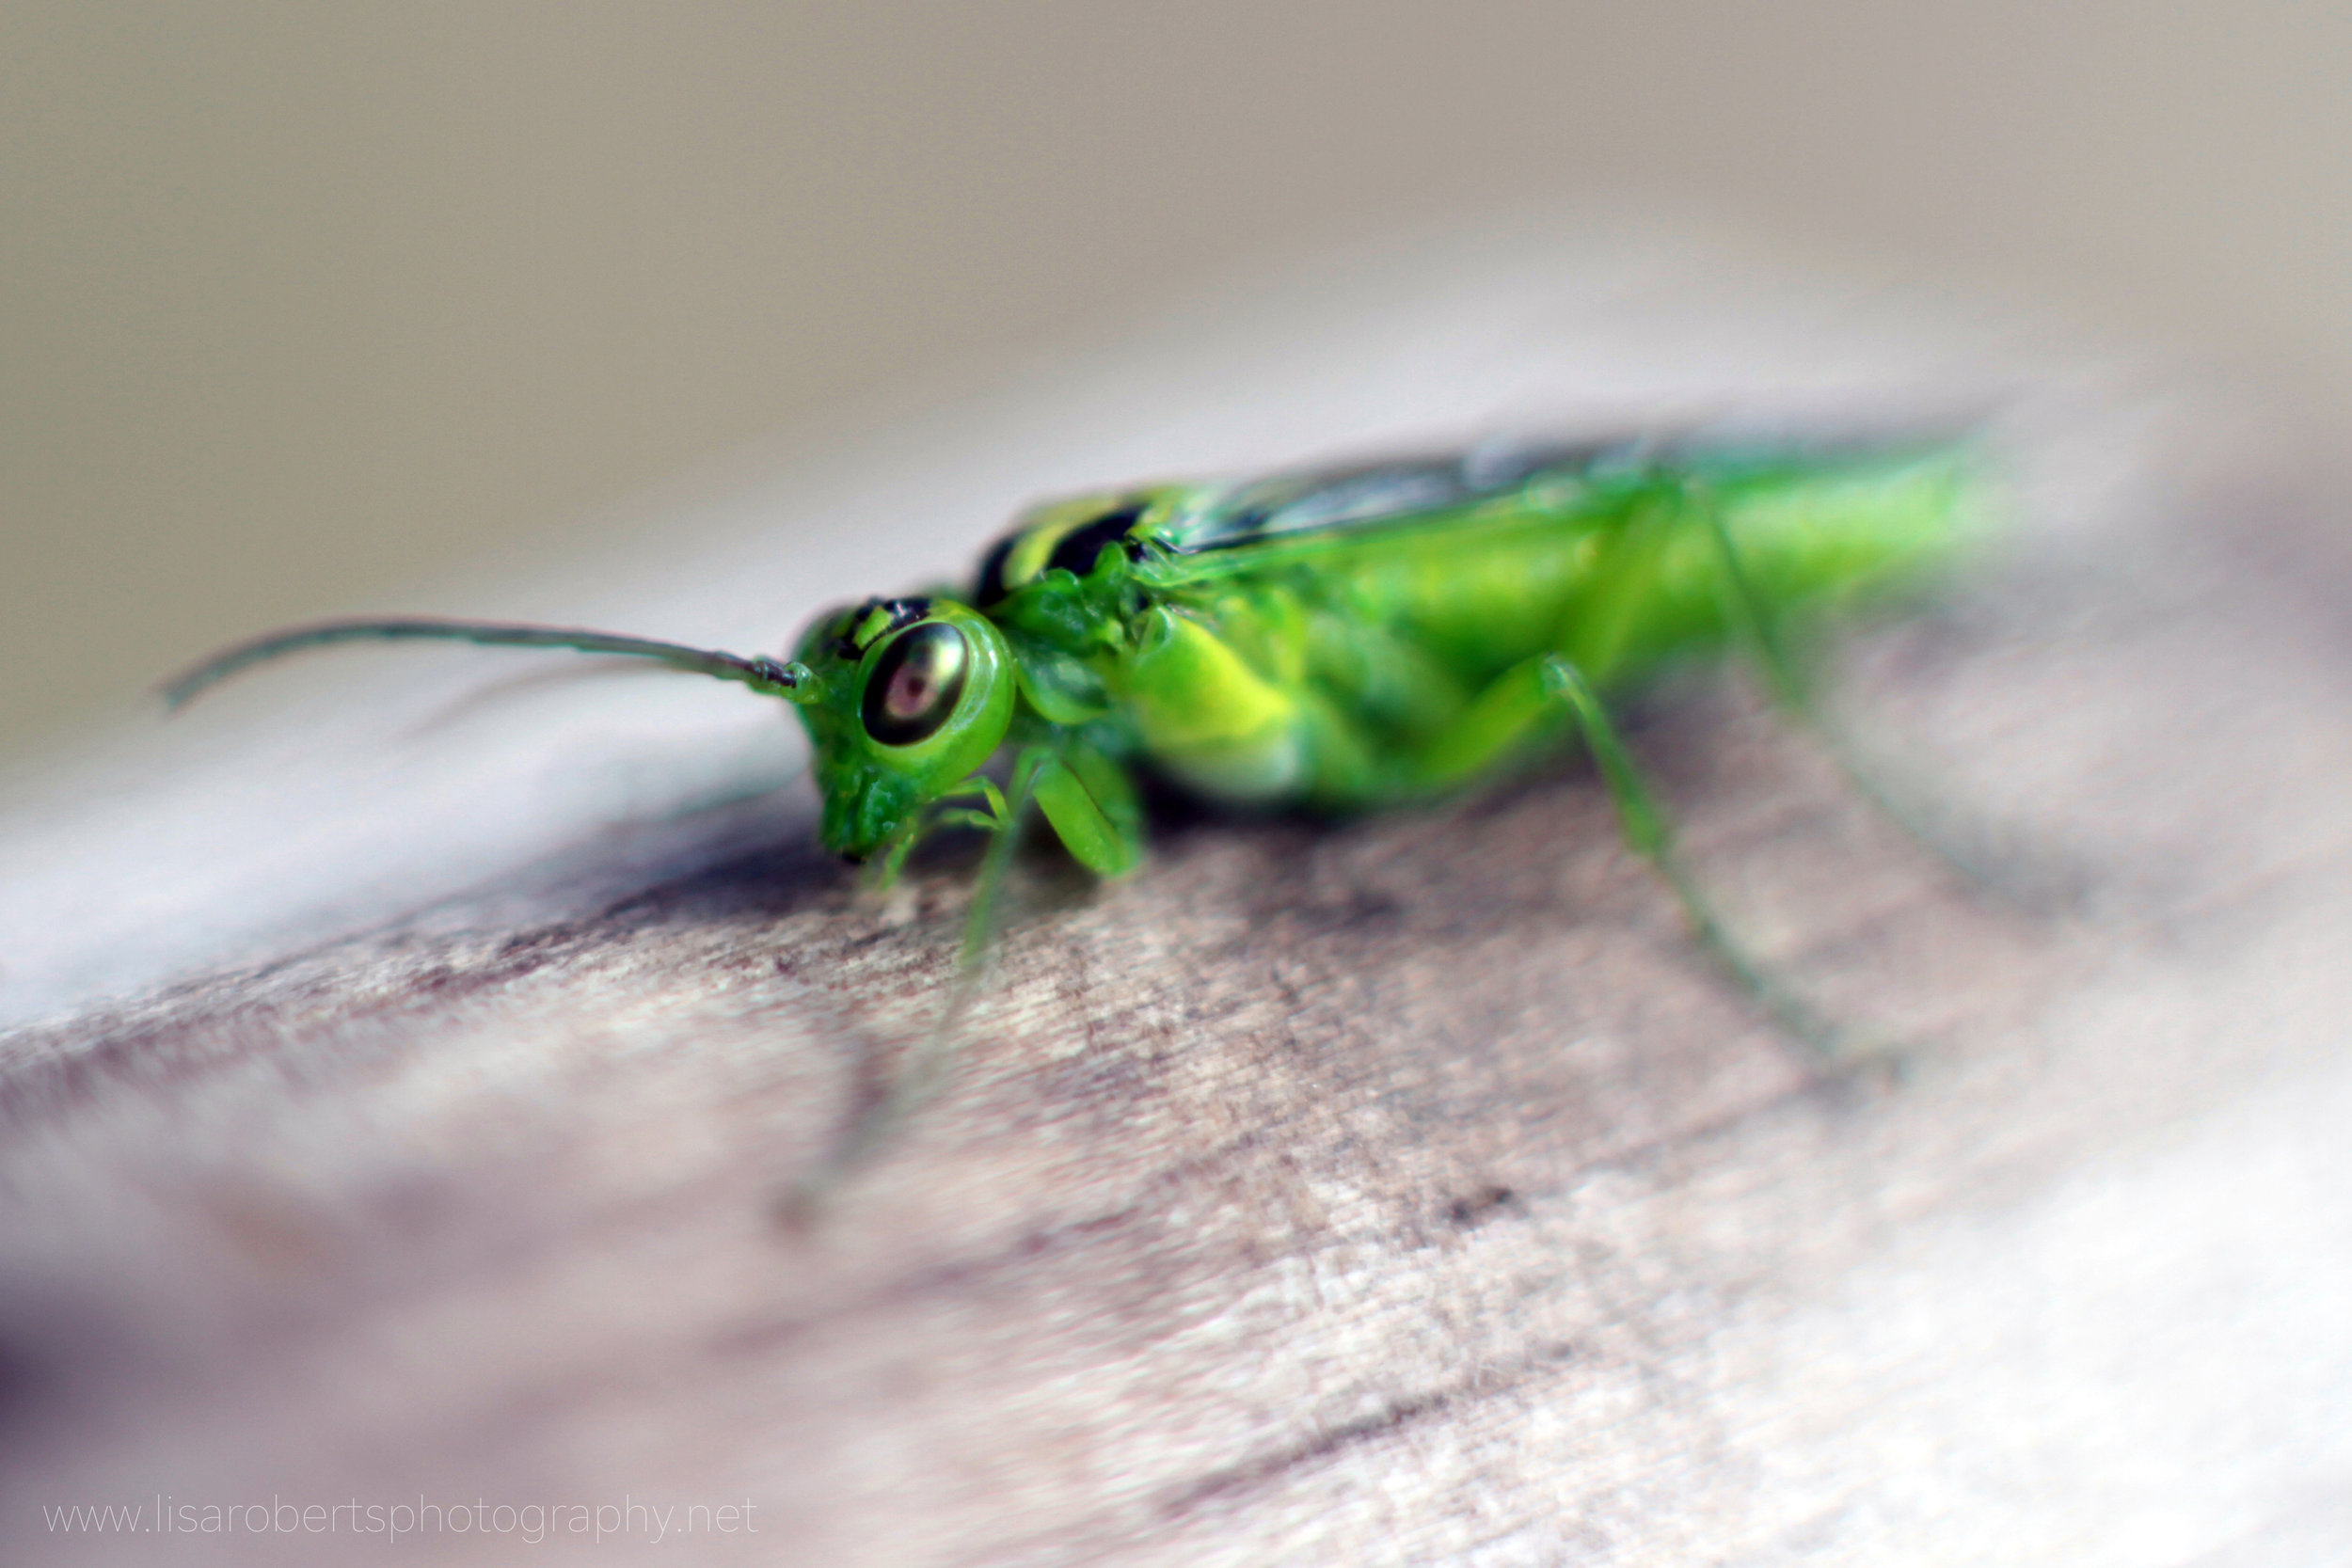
(306, 304)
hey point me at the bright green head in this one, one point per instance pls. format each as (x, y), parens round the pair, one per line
(907, 698)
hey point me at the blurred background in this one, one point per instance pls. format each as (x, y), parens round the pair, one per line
(305, 303)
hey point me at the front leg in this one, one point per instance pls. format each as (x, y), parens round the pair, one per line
(882, 873)
(1001, 819)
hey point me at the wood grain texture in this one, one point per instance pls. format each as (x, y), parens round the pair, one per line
(1395, 1190)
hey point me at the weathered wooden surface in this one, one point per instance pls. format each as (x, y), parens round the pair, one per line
(1399, 1191)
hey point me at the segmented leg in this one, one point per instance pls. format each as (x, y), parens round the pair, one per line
(1967, 851)
(920, 1072)
(1651, 836)
(1513, 711)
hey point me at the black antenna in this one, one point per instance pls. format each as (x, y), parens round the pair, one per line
(770, 678)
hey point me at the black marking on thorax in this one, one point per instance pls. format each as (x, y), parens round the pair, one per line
(990, 586)
(1074, 552)
(874, 620)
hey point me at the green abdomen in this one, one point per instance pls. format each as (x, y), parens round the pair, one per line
(1352, 645)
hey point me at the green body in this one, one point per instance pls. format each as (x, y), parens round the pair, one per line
(1351, 640)
(1340, 640)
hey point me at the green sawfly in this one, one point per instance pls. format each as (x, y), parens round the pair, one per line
(1340, 640)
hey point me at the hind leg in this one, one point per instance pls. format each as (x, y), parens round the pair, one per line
(1541, 693)
(1968, 849)
(1650, 834)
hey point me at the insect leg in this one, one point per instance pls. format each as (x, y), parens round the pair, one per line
(924, 1063)
(883, 872)
(1968, 855)
(978, 922)
(1092, 808)
(1651, 836)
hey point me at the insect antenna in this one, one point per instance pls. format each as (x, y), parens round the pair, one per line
(769, 677)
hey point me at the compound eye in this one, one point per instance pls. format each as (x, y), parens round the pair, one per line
(915, 684)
